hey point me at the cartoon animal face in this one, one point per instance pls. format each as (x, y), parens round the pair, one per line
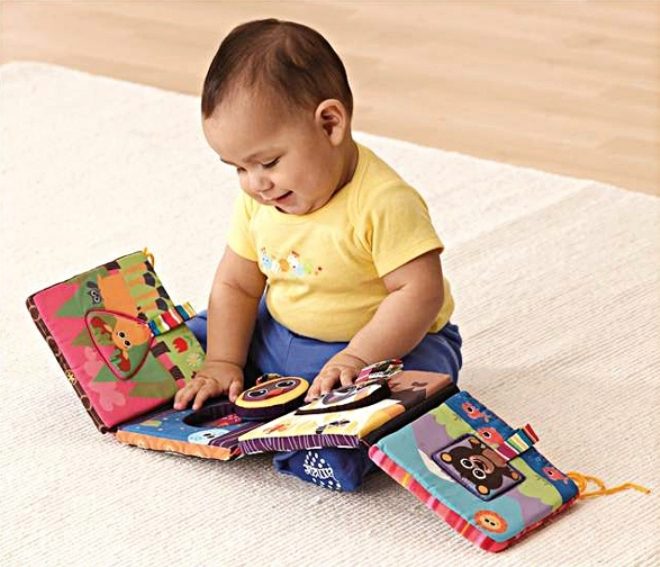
(480, 467)
(272, 392)
(129, 333)
(124, 297)
(271, 389)
(351, 394)
(339, 395)
(348, 397)
(123, 333)
(93, 292)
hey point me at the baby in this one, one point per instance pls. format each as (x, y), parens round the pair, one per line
(332, 261)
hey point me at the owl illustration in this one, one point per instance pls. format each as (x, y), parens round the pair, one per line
(271, 398)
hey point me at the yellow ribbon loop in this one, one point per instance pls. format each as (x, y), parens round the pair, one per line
(149, 256)
(583, 480)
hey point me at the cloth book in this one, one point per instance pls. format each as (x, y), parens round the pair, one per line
(212, 431)
(484, 478)
(383, 398)
(124, 346)
(119, 338)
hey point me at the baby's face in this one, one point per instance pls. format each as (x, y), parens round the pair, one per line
(281, 161)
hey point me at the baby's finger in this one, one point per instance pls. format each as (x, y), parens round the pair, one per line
(235, 388)
(184, 395)
(204, 393)
(314, 390)
(329, 380)
(311, 393)
(346, 377)
(177, 397)
(179, 393)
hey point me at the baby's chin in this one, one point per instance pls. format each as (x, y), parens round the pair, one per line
(292, 210)
(298, 209)
(293, 204)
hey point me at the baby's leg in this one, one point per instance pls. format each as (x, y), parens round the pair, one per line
(275, 348)
(199, 327)
(438, 352)
(295, 355)
(270, 347)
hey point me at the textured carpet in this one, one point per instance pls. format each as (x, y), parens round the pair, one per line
(556, 283)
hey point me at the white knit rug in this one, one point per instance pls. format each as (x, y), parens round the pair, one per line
(556, 283)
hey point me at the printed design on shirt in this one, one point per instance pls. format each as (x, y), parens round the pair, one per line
(320, 471)
(293, 264)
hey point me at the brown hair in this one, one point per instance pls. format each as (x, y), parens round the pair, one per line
(292, 63)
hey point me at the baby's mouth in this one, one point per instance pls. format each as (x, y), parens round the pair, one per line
(282, 197)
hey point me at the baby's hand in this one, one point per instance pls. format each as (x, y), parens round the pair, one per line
(343, 367)
(212, 379)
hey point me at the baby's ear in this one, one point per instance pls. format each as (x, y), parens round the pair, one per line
(331, 115)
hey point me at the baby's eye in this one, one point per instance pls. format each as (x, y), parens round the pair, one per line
(240, 170)
(271, 164)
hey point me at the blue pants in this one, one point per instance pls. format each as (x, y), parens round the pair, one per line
(276, 349)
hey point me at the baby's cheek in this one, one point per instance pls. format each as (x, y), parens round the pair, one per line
(252, 194)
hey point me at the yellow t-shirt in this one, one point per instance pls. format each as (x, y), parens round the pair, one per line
(324, 269)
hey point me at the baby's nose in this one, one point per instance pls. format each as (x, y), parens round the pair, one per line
(259, 183)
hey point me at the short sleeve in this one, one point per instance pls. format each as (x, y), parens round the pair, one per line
(240, 238)
(397, 227)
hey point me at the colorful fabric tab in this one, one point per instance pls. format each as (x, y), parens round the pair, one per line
(171, 319)
(518, 443)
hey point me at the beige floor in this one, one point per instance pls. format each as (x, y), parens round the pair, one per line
(566, 86)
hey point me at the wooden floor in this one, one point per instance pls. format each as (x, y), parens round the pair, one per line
(566, 86)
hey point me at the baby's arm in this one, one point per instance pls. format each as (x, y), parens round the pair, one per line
(237, 288)
(415, 296)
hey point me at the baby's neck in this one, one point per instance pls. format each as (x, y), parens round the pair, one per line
(350, 164)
